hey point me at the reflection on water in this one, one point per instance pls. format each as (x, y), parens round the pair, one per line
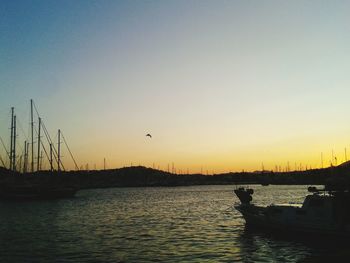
(182, 224)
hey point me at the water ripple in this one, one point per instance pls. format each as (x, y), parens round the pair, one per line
(182, 224)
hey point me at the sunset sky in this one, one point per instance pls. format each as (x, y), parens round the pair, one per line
(220, 85)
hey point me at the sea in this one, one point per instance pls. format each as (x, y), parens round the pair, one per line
(153, 224)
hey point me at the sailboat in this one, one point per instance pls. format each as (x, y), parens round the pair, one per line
(18, 183)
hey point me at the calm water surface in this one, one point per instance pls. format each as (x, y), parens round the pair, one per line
(181, 224)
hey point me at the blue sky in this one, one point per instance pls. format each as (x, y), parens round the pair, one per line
(221, 84)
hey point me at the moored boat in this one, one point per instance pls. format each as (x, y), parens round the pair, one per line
(24, 178)
(322, 212)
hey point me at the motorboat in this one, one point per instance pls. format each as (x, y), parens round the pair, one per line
(322, 212)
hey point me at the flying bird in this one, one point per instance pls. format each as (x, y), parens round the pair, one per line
(149, 135)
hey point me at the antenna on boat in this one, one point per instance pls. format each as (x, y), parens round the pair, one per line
(321, 160)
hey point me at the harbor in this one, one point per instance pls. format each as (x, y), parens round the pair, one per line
(23, 178)
(174, 131)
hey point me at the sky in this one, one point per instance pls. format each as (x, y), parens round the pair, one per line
(221, 85)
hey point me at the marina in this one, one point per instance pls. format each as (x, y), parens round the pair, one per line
(14, 183)
(174, 131)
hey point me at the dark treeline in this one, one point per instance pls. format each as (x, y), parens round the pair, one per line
(141, 176)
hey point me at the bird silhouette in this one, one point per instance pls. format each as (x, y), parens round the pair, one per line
(149, 135)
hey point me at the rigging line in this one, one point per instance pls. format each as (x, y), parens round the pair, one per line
(64, 169)
(2, 161)
(56, 152)
(9, 114)
(21, 149)
(36, 110)
(29, 124)
(47, 156)
(65, 142)
(3, 144)
(21, 127)
(41, 142)
(18, 160)
(47, 136)
(61, 164)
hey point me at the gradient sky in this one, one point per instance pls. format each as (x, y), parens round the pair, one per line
(221, 85)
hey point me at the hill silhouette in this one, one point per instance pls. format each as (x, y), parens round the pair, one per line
(139, 176)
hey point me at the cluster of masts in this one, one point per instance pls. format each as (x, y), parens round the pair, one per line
(301, 167)
(53, 155)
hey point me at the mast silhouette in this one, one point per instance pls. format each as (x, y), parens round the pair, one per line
(59, 151)
(51, 167)
(25, 161)
(14, 143)
(38, 164)
(32, 133)
(11, 143)
(346, 157)
(24, 164)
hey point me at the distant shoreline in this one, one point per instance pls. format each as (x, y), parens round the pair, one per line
(138, 176)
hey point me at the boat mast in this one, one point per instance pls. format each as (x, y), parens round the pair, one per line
(25, 157)
(14, 143)
(346, 157)
(41, 160)
(11, 145)
(51, 167)
(32, 128)
(38, 164)
(20, 163)
(59, 150)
